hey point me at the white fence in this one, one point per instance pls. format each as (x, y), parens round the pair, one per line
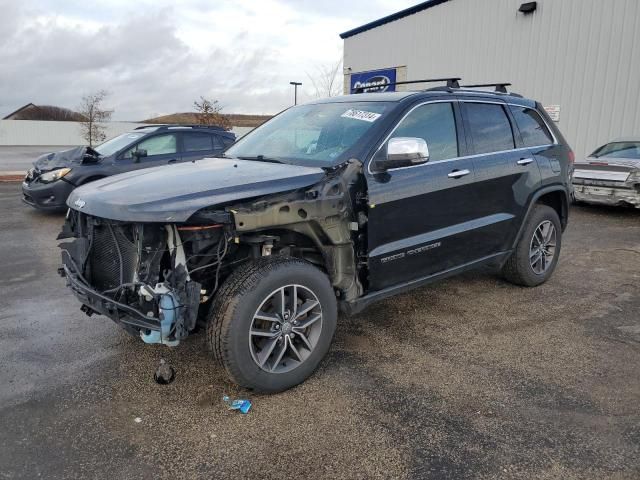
(34, 133)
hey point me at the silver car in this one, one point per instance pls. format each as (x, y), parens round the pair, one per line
(610, 175)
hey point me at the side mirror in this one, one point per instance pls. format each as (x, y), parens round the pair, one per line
(403, 152)
(138, 154)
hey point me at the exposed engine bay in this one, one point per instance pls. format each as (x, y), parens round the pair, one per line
(157, 280)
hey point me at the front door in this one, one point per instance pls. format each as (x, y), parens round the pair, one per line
(160, 150)
(421, 218)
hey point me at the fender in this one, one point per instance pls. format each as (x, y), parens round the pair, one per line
(564, 214)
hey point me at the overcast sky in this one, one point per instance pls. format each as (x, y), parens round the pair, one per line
(156, 57)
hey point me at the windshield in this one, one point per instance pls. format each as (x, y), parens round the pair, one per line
(619, 150)
(315, 135)
(117, 143)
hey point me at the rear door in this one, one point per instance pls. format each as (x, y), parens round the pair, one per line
(538, 139)
(421, 217)
(506, 174)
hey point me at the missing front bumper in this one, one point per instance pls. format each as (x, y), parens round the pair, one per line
(118, 312)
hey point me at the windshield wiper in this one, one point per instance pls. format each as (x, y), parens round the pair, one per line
(261, 158)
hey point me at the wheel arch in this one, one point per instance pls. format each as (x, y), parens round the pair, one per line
(555, 197)
(558, 200)
(337, 260)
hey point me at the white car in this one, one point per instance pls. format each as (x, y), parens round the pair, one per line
(610, 175)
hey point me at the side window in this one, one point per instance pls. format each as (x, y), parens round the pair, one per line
(532, 128)
(157, 145)
(217, 142)
(197, 142)
(489, 127)
(435, 123)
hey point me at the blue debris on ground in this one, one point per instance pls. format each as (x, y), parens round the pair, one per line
(239, 404)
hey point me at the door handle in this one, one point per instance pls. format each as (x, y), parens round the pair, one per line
(459, 173)
(524, 161)
(173, 160)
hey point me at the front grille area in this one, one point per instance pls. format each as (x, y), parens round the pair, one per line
(113, 256)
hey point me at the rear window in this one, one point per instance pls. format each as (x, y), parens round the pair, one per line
(197, 142)
(619, 150)
(532, 128)
(489, 127)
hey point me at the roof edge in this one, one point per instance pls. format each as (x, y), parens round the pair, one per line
(24, 107)
(392, 18)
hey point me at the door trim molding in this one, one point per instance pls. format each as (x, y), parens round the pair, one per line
(441, 233)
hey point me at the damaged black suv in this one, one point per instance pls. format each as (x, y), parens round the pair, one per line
(330, 205)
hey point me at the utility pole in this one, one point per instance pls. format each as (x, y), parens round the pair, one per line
(295, 91)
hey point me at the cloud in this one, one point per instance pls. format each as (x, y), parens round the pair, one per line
(157, 57)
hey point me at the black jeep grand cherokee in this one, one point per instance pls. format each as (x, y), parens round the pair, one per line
(332, 204)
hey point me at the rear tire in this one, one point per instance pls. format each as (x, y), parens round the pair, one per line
(266, 341)
(536, 254)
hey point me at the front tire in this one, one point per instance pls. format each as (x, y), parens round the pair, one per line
(536, 254)
(272, 323)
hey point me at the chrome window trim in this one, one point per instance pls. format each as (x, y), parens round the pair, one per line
(452, 100)
(465, 157)
(553, 135)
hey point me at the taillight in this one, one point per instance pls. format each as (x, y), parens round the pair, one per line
(572, 157)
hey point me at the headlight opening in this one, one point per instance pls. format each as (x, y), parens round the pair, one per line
(54, 175)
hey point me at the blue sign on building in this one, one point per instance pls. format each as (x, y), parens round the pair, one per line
(374, 81)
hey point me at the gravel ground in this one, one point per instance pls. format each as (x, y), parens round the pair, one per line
(469, 378)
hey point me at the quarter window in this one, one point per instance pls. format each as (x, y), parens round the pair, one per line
(197, 142)
(157, 145)
(489, 127)
(217, 142)
(435, 123)
(532, 128)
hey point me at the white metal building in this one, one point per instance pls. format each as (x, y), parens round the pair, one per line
(579, 58)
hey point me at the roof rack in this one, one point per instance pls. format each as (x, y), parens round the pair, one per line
(451, 83)
(166, 126)
(500, 87)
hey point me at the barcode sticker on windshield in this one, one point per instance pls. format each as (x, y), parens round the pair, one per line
(361, 115)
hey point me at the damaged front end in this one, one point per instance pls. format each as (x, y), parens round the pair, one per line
(138, 274)
(157, 279)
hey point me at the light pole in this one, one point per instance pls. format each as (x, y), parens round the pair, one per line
(295, 91)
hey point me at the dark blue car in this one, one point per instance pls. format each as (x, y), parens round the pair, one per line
(55, 175)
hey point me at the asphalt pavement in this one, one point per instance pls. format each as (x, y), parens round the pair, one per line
(19, 159)
(469, 378)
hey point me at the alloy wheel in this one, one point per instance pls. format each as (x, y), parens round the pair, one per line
(542, 248)
(285, 329)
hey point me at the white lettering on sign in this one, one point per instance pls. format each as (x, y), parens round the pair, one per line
(554, 112)
(361, 115)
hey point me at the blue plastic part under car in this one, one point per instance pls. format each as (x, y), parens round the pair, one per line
(169, 311)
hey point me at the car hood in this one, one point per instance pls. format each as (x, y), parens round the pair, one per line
(173, 193)
(65, 158)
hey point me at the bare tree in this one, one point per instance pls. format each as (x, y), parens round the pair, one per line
(94, 115)
(327, 80)
(208, 113)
